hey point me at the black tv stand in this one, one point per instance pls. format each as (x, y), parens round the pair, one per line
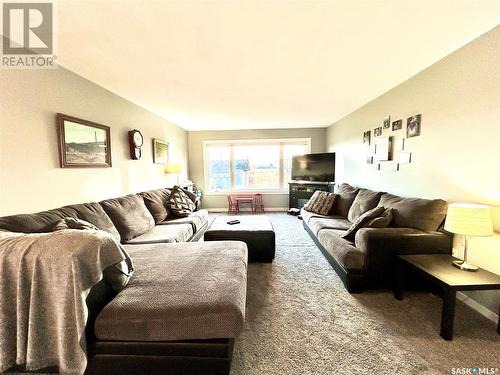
(301, 191)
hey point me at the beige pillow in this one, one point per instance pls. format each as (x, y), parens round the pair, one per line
(361, 222)
(321, 202)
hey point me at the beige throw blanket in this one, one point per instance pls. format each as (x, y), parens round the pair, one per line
(44, 281)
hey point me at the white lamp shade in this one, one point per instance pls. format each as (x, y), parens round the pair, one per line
(469, 219)
(173, 168)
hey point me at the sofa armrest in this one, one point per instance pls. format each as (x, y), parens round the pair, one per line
(403, 241)
(381, 245)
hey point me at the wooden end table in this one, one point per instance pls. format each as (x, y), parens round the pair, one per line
(439, 269)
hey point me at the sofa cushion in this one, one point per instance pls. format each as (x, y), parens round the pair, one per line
(44, 222)
(180, 292)
(318, 223)
(156, 202)
(179, 203)
(197, 219)
(306, 216)
(321, 202)
(362, 221)
(342, 250)
(423, 214)
(130, 215)
(365, 200)
(346, 194)
(164, 234)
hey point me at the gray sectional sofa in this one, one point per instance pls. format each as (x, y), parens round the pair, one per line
(185, 303)
(367, 260)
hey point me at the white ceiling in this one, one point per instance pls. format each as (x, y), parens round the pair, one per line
(261, 64)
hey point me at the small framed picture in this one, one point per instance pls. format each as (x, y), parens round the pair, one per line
(413, 126)
(387, 122)
(366, 137)
(397, 125)
(160, 151)
(369, 160)
(377, 132)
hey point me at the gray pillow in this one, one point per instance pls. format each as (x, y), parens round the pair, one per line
(179, 203)
(383, 221)
(130, 215)
(423, 214)
(119, 274)
(321, 202)
(365, 200)
(74, 223)
(346, 194)
(361, 222)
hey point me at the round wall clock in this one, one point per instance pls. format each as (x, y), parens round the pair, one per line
(135, 140)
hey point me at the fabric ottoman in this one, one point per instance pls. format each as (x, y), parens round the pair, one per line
(255, 230)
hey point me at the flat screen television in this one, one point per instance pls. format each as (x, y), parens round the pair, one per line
(314, 167)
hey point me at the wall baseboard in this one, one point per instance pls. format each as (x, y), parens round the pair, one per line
(270, 209)
(477, 306)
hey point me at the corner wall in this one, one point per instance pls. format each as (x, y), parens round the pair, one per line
(30, 177)
(457, 155)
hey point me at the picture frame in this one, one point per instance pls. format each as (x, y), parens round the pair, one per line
(160, 151)
(397, 125)
(377, 132)
(413, 125)
(367, 137)
(384, 149)
(83, 143)
(404, 157)
(387, 122)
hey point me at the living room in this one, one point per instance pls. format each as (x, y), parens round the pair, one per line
(220, 98)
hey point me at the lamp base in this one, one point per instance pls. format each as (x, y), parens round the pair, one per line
(464, 266)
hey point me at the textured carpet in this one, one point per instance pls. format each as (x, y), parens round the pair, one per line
(301, 320)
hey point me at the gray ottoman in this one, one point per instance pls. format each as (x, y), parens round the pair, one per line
(255, 230)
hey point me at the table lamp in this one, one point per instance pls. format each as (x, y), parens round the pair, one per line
(468, 220)
(173, 168)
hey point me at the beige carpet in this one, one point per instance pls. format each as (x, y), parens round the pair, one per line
(301, 320)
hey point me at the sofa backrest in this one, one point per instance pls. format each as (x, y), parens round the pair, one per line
(423, 214)
(129, 214)
(43, 222)
(365, 201)
(156, 203)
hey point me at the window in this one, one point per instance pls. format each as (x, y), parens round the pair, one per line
(257, 165)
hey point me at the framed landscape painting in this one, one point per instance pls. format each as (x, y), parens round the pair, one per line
(82, 143)
(160, 151)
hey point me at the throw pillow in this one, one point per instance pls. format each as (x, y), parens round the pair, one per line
(361, 221)
(74, 223)
(179, 203)
(321, 202)
(383, 221)
(119, 274)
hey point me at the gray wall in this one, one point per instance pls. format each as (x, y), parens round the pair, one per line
(30, 177)
(196, 168)
(457, 155)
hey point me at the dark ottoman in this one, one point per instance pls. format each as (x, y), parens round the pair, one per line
(256, 231)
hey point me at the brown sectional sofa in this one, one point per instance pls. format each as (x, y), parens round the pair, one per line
(185, 303)
(367, 261)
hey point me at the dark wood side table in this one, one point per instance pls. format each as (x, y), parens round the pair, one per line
(439, 269)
